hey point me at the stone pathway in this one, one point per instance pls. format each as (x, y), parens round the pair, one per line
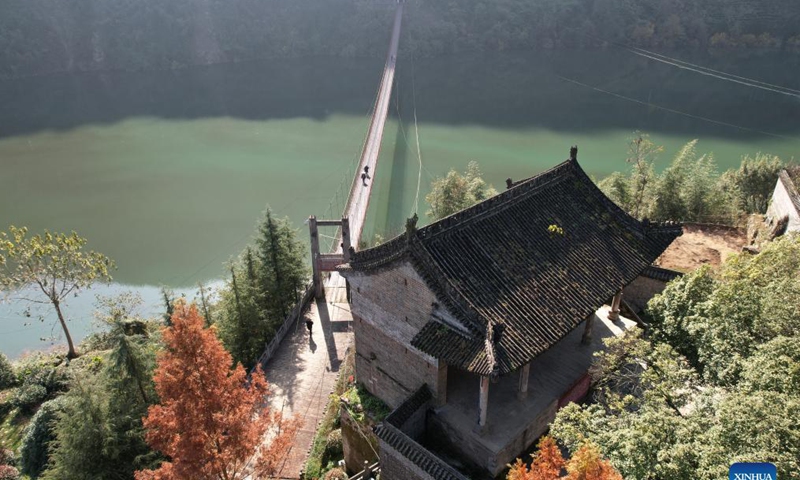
(302, 373)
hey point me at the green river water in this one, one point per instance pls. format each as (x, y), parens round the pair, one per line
(167, 172)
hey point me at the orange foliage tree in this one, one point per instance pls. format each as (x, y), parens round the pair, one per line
(548, 463)
(210, 422)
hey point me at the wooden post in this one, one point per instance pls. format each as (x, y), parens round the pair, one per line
(319, 290)
(522, 394)
(586, 339)
(441, 384)
(613, 314)
(484, 402)
(346, 239)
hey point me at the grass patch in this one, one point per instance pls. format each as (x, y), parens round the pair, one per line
(362, 405)
(318, 462)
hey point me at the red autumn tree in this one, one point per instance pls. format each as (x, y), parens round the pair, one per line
(585, 464)
(210, 422)
(547, 463)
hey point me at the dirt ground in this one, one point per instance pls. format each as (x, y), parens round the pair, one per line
(700, 245)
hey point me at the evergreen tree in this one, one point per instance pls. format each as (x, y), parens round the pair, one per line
(266, 282)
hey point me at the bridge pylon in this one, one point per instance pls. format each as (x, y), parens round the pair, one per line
(327, 262)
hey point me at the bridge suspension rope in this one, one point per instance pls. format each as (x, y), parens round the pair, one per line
(416, 132)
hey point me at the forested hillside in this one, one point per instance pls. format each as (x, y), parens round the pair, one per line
(40, 36)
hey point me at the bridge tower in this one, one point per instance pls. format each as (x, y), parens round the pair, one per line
(327, 262)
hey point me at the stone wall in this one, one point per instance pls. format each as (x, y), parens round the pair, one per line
(389, 308)
(402, 457)
(388, 369)
(394, 466)
(640, 291)
(359, 443)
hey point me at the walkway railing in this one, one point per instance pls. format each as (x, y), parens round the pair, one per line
(290, 320)
(369, 472)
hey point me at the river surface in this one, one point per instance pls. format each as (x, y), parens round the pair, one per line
(167, 172)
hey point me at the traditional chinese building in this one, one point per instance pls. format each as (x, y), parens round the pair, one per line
(478, 327)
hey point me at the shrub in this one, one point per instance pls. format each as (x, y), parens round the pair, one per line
(41, 381)
(333, 444)
(7, 377)
(34, 451)
(6, 457)
(336, 474)
(28, 397)
(7, 472)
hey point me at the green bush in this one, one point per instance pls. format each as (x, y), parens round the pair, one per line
(41, 380)
(28, 397)
(34, 451)
(333, 444)
(7, 377)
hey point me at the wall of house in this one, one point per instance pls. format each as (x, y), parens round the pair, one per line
(640, 291)
(780, 206)
(389, 308)
(394, 466)
(359, 443)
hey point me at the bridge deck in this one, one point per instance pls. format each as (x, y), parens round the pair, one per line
(358, 199)
(303, 370)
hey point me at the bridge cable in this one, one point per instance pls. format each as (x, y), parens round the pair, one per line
(684, 65)
(416, 132)
(717, 74)
(670, 110)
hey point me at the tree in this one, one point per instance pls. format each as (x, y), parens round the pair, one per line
(642, 152)
(129, 359)
(266, 281)
(754, 181)
(281, 270)
(548, 463)
(456, 192)
(55, 264)
(99, 431)
(210, 423)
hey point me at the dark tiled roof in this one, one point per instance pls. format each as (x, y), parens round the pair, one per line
(417, 454)
(401, 414)
(515, 285)
(658, 273)
(790, 178)
(390, 431)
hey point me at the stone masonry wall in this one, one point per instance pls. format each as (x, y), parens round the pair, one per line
(389, 308)
(388, 369)
(359, 444)
(641, 290)
(394, 466)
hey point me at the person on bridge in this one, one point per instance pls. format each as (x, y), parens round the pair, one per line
(309, 324)
(366, 170)
(364, 179)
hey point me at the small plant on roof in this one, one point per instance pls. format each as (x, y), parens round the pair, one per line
(555, 230)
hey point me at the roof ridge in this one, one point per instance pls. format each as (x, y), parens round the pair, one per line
(499, 202)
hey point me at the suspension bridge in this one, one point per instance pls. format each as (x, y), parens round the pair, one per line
(302, 367)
